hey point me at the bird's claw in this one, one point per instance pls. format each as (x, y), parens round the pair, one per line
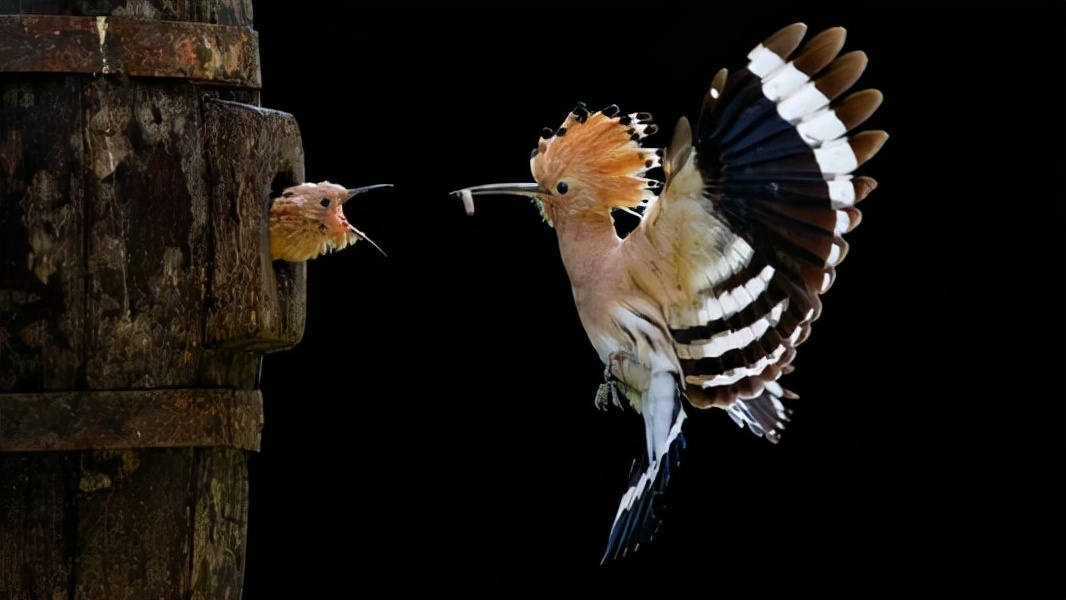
(608, 393)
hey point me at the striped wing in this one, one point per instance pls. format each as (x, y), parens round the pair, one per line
(757, 198)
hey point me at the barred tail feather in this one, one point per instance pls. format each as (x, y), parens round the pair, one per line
(640, 510)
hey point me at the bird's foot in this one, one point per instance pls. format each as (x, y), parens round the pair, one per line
(608, 392)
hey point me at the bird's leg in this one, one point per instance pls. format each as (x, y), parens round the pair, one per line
(608, 390)
(623, 373)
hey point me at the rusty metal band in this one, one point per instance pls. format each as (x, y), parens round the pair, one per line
(111, 420)
(137, 47)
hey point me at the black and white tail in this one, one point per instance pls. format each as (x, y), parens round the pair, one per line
(640, 510)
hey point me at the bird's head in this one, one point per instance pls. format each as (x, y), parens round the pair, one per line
(307, 220)
(590, 164)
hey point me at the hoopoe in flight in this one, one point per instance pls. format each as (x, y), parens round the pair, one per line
(705, 301)
(307, 220)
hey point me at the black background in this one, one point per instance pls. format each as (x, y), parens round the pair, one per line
(434, 431)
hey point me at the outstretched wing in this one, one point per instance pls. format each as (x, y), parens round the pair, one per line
(750, 220)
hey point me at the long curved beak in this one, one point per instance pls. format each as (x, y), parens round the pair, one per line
(352, 192)
(507, 189)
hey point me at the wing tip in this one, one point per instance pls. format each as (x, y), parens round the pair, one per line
(866, 144)
(786, 39)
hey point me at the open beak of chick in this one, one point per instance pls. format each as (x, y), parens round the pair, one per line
(350, 233)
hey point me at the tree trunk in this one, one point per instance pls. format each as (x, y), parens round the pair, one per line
(137, 295)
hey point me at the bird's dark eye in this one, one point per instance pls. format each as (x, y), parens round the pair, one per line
(325, 202)
(562, 187)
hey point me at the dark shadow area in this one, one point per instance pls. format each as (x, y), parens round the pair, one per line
(434, 431)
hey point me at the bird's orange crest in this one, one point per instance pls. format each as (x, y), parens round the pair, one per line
(599, 152)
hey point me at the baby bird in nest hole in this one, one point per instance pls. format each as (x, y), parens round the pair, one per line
(307, 221)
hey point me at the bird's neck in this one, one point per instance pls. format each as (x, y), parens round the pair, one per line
(587, 244)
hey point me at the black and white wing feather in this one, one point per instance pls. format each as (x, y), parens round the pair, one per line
(745, 236)
(770, 163)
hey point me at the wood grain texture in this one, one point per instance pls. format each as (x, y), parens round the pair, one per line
(37, 524)
(117, 45)
(148, 235)
(137, 295)
(218, 12)
(127, 419)
(42, 234)
(248, 149)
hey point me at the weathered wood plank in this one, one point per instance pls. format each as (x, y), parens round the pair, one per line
(36, 525)
(133, 46)
(247, 149)
(220, 524)
(131, 419)
(221, 12)
(136, 294)
(148, 240)
(133, 510)
(238, 370)
(42, 234)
